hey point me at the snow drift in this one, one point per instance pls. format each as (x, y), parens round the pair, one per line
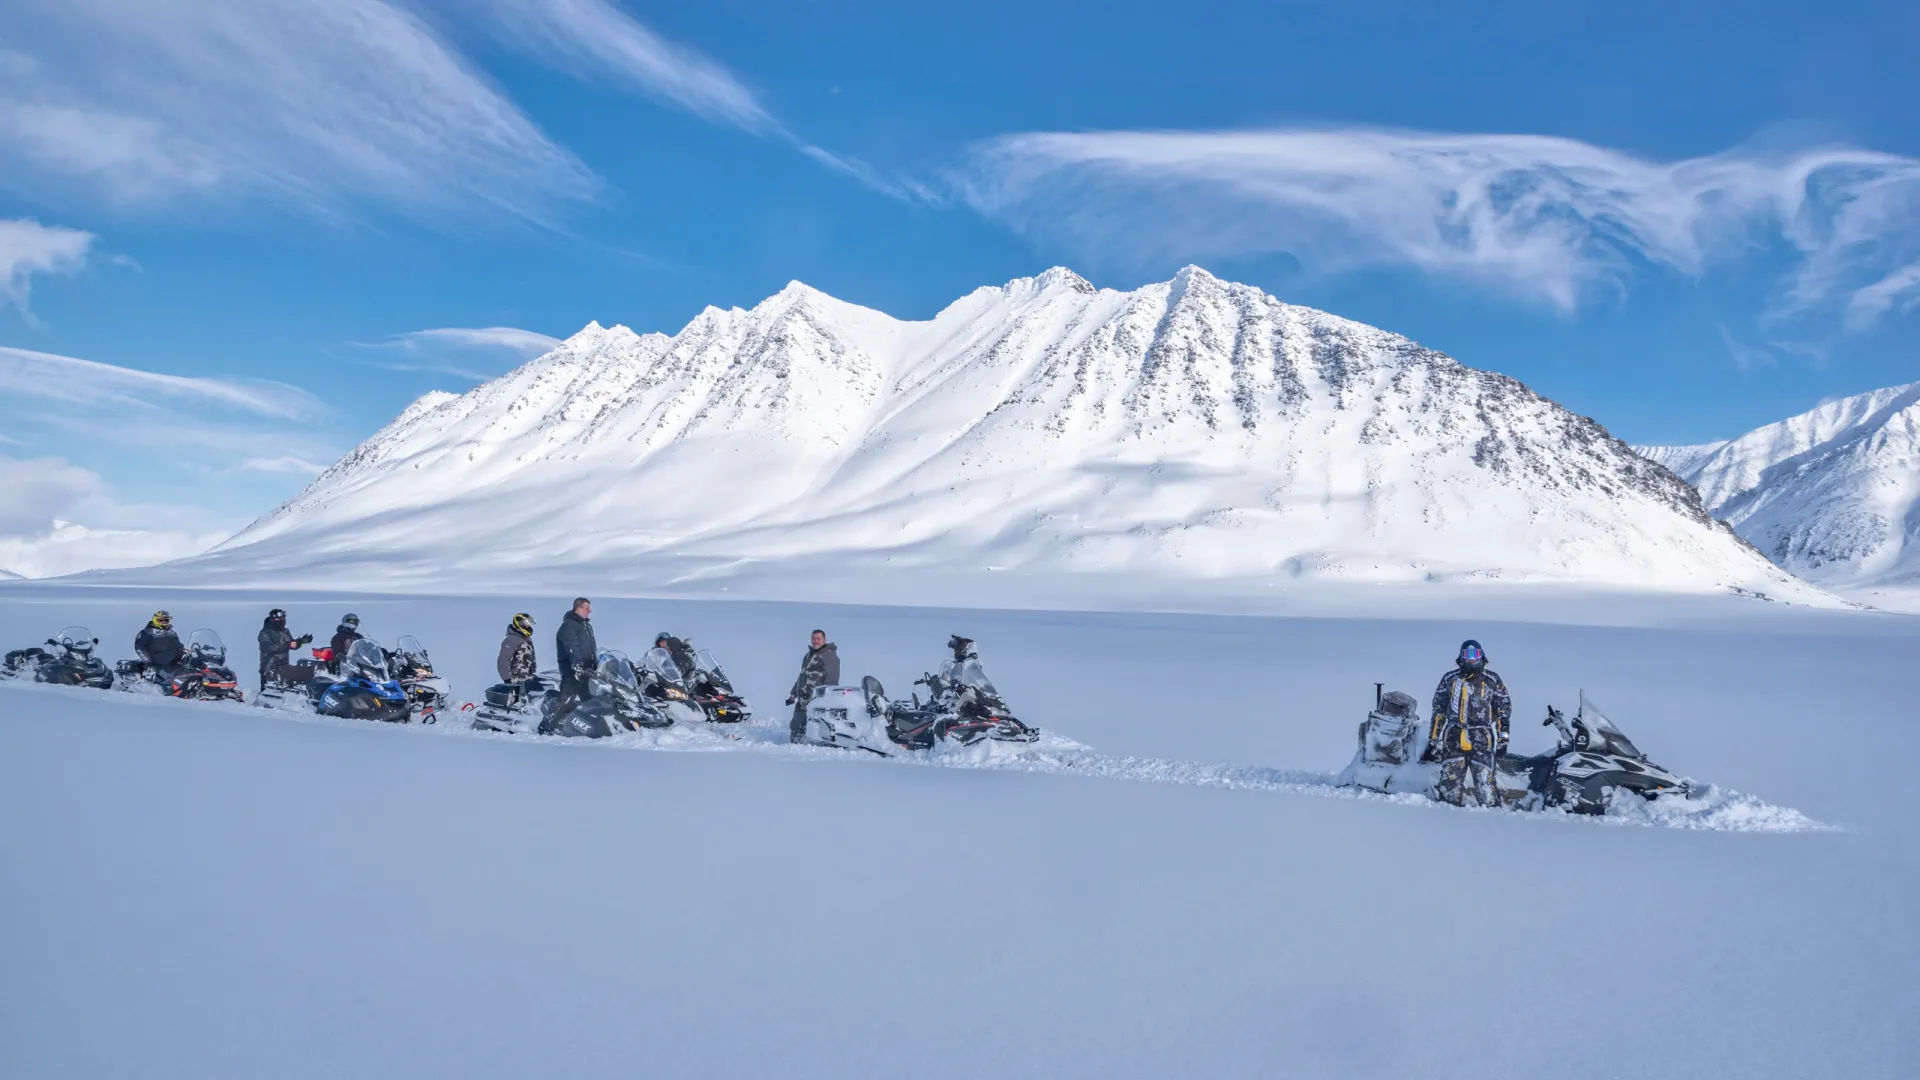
(1188, 431)
(1832, 494)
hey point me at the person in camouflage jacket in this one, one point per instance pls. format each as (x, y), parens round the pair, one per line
(1472, 719)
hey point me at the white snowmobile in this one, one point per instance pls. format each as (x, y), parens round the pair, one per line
(963, 708)
(1592, 763)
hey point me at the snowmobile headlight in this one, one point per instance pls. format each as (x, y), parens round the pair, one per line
(676, 695)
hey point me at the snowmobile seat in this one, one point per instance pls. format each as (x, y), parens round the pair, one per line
(876, 696)
(1399, 703)
(503, 695)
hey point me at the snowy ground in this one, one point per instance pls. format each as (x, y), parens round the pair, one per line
(200, 890)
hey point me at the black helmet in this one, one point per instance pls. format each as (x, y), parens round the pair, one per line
(962, 647)
(662, 638)
(350, 619)
(277, 615)
(521, 624)
(1472, 658)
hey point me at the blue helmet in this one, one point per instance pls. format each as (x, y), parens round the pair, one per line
(1472, 658)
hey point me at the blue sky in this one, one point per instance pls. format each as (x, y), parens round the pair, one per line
(280, 220)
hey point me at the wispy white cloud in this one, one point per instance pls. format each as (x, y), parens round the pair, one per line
(1546, 218)
(73, 381)
(325, 104)
(283, 465)
(28, 248)
(509, 338)
(594, 38)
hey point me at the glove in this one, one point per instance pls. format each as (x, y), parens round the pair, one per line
(789, 699)
(303, 639)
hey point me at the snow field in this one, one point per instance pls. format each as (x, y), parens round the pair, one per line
(200, 890)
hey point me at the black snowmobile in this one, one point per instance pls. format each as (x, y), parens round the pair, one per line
(713, 691)
(1594, 760)
(613, 704)
(201, 675)
(665, 686)
(69, 661)
(413, 670)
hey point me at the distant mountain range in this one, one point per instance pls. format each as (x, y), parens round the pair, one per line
(1832, 494)
(1190, 431)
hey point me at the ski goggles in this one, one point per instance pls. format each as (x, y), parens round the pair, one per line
(1473, 654)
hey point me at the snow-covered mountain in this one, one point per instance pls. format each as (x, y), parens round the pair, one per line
(1832, 494)
(1190, 431)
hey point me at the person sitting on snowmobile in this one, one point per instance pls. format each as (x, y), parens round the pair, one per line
(276, 642)
(516, 663)
(579, 657)
(158, 645)
(1472, 716)
(344, 636)
(677, 648)
(820, 667)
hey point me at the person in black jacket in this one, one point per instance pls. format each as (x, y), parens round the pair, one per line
(344, 636)
(820, 667)
(516, 663)
(276, 643)
(158, 645)
(578, 654)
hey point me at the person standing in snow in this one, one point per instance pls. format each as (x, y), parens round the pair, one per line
(344, 636)
(1472, 716)
(820, 667)
(276, 643)
(516, 663)
(578, 653)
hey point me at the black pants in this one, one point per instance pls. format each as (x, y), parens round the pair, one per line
(569, 695)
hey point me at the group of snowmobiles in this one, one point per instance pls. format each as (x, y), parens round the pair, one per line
(673, 683)
(368, 682)
(67, 659)
(963, 708)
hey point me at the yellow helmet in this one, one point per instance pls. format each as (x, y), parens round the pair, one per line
(161, 621)
(522, 624)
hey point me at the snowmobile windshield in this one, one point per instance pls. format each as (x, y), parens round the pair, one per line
(365, 657)
(207, 645)
(660, 662)
(1604, 727)
(968, 672)
(409, 646)
(77, 638)
(616, 668)
(705, 663)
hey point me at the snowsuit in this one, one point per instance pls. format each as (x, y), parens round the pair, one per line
(578, 654)
(1472, 716)
(820, 667)
(343, 638)
(516, 663)
(276, 642)
(161, 649)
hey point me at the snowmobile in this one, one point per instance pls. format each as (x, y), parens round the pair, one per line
(202, 673)
(1593, 760)
(69, 663)
(713, 691)
(613, 704)
(363, 690)
(962, 708)
(666, 686)
(413, 670)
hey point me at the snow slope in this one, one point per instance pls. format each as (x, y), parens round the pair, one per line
(1188, 433)
(212, 891)
(1832, 494)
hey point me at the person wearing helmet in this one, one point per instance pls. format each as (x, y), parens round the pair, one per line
(677, 648)
(344, 636)
(1472, 715)
(276, 642)
(820, 667)
(516, 663)
(158, 645)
